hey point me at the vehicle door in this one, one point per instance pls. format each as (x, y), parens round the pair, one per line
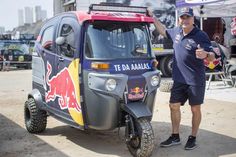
(45, 65)
(68, 68)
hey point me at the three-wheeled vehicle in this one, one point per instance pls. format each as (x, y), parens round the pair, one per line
(96, 70)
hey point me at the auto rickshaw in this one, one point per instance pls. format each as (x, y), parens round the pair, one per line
(95, 70)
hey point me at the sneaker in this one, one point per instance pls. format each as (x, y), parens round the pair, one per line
(171, 141)
(191, 143)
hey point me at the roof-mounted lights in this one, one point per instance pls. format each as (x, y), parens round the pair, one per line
(114, 7)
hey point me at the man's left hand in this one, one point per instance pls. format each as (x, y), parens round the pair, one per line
(200, 53)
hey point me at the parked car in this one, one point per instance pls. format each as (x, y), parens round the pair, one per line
(17, 53)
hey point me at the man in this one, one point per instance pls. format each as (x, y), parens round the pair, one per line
(7, 56)
(191, 47)
(1, 59)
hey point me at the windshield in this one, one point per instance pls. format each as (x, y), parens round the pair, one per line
(112, 40)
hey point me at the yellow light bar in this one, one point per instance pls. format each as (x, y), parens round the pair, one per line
(101, 66)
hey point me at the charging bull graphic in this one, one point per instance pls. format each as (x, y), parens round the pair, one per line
(213, 64)
(136, 93)
(65, 87)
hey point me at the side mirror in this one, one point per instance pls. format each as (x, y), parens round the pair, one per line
(60, 40)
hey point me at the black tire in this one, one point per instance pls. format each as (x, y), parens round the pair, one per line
(166, 86)
(28, 66)
(143, 144)
(35, 119)
(166, 66)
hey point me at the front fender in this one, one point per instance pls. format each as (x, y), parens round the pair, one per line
(36, 95)
(137, 109)
(97, 83)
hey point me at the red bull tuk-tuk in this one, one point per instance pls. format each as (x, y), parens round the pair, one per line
(95, 70)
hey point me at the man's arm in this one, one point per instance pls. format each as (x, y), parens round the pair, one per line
(159, 26)
(202, 54)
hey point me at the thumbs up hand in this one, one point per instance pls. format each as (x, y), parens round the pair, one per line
(198, 46)
(200, 53)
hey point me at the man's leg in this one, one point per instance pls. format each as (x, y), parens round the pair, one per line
(196, 97)
(177, 98)
(196, 118)
(175, 117)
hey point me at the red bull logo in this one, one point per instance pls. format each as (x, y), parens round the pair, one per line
(63, 87)
(136, 93)
(212, 64)
(136, 90)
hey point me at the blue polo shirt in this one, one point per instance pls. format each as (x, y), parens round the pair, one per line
(187, 68)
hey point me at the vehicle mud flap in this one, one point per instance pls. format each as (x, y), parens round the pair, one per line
(137, 109)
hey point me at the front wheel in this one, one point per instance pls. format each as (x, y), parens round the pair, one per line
(142, 144)
(35, 119)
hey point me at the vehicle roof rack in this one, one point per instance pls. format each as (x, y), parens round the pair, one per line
(112, 4)
(117, 7)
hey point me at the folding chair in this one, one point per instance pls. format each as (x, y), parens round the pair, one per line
(221, 74)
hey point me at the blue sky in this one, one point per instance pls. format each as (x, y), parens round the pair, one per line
(9, 10)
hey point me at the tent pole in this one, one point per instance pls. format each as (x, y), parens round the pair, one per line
(176, 17)
(201, 22)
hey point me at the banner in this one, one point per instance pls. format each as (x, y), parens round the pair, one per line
(201, 1)
(190, 3)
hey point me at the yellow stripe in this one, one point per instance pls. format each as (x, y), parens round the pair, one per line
(74, 73)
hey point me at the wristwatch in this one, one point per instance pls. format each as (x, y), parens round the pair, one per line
(208, 54)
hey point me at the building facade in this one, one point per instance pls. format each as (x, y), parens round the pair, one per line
(20, 17)
(40, 14)
(71, 5)
(29, 15)
(2, 30)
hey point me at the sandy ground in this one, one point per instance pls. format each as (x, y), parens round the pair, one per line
(217, 135)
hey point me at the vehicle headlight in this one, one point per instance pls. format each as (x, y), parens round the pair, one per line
(110, 84)
(155, 80)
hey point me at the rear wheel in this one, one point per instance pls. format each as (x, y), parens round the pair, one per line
(166, 66)
(142, 144)
(35, 119)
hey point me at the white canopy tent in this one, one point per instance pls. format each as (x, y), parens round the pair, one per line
(207, 8)
(226, 8)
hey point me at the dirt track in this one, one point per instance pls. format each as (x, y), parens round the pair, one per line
(217, 135)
